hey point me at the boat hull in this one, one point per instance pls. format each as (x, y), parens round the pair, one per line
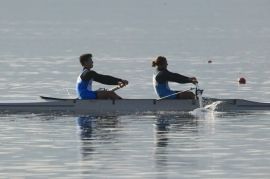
(76, 106)
(125, 106)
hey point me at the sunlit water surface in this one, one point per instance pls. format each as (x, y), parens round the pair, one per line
(148, 146)
(40, 42)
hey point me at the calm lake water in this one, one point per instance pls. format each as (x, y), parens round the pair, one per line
(40, 42)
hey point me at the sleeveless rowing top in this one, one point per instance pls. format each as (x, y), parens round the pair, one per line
(84, 88)
(162, 89)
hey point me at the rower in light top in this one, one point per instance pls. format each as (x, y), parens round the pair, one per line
(162, 76)
(85, 79)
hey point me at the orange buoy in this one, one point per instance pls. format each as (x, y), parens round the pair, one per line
(242, 80)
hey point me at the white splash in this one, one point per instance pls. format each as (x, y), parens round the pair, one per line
(206, 111)
(213, 106)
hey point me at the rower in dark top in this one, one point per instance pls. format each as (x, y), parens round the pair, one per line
(162, 76)
(85, 79)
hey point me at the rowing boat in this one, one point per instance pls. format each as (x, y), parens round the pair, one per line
(125, 106)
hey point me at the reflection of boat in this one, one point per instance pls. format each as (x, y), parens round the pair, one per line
(85, 124)
(93, 125)
(124, 106)
(93, 131)
(172, 132)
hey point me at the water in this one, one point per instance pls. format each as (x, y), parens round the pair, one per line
(225, 146)
(39, 49)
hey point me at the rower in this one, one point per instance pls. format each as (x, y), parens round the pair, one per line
(162, 76)
(85, 79)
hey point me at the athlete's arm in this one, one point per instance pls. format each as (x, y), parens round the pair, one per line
(175, 77)
(104, 79)
(166, 75)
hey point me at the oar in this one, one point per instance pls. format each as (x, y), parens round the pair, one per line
(199, 95)
(179, 92)
(198, 92)
(116, 88)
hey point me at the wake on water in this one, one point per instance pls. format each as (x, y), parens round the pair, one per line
(206, 111)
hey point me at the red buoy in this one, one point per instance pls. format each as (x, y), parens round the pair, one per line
(242, 80)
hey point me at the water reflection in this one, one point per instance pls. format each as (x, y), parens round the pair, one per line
(166, 123)
(94, 131)
(125, 143)
(86, 125)
(168, 131)
(161, 131)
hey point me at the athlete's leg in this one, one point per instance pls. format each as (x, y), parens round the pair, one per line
(88, 95)
(186, 95)
(107, 95)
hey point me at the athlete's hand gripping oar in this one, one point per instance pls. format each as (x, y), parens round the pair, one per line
(120, 85)
(194, 80)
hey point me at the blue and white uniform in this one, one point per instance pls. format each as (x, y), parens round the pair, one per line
(85, 80)
(161, 79)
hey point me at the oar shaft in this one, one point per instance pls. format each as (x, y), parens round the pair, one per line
(179, 92)
(199, 95)
(115, 88)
